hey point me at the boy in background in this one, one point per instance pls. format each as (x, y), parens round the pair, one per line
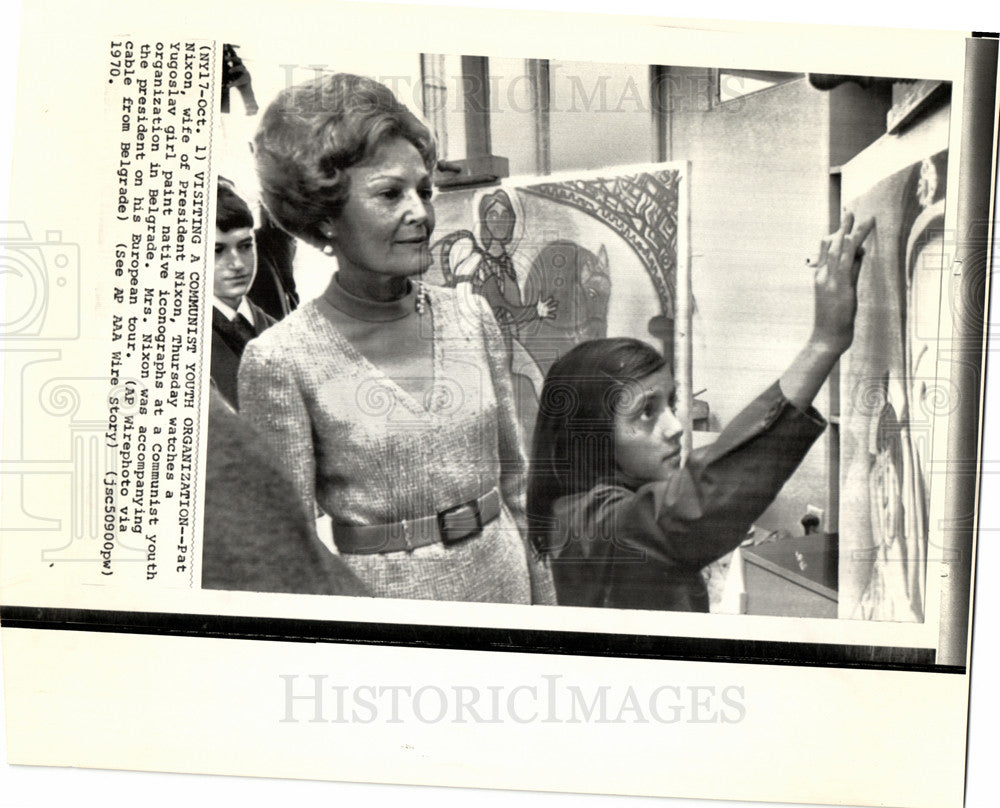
(235, 320)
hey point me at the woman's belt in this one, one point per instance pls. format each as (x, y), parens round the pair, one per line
(455, 524)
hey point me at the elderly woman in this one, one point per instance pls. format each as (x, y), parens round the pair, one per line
(389, 402)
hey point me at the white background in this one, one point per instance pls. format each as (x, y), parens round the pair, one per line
(30, 786)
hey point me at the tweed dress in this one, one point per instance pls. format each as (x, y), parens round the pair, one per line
(366, 452)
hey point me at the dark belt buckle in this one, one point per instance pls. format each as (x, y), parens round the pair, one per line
(461, 522)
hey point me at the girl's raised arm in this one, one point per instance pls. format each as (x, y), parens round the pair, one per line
(836, 304)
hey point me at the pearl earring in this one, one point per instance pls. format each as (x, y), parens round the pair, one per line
(422, 302)
(327, 249)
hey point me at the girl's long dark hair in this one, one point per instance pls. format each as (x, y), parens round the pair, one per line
(573, 448)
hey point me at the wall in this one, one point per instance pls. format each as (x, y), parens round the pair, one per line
(512, 117)
(599, 115)
(759, 206)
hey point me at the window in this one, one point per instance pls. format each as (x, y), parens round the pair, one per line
(732, 84)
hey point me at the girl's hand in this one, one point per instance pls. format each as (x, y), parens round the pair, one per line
(836, 298)
(836, 285)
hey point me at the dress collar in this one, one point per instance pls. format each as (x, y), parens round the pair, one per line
(370, 311)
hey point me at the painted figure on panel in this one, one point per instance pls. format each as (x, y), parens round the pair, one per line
(579, 283)
(899, 405)
(561, 260)
(484, 262)
(490, 265)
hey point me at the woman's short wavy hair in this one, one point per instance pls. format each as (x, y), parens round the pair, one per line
(312, 132)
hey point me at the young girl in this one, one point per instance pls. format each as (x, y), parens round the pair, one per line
(628, 527)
